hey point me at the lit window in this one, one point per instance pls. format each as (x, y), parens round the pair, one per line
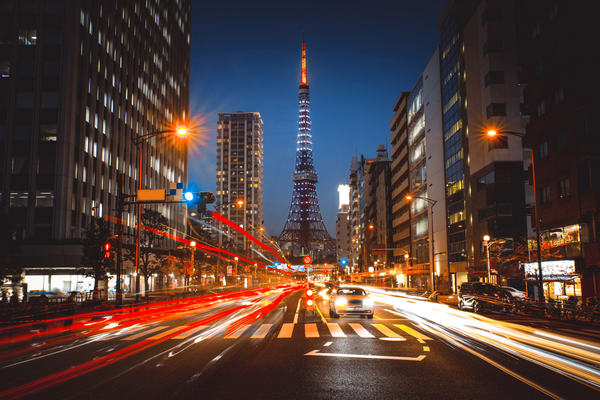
(27, 37)
(563, 188)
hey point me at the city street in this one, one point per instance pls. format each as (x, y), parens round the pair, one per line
(266, 346)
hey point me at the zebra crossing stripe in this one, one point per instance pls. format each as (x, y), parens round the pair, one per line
(387, 331)
(262, 331)
(361, 331)
(311, 330)
(413, 332)
(144, 333)
(189, 333)
(335, 330)
(286, 330)
(237, 333)
(163, 334)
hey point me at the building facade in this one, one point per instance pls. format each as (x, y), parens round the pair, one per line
(485, 189)
(240, 175)
(343, 227)
(79, 80)
(562, 96)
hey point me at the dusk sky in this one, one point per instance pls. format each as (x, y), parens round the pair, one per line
(361, 55)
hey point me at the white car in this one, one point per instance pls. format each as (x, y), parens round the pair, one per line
(515, 293)
(350, 300)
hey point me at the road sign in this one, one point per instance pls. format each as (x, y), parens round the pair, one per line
(306, 259)
(221, 275)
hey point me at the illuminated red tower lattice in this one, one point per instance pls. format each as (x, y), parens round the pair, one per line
(304, 228)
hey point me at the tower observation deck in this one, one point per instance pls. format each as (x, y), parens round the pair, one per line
(304, 229)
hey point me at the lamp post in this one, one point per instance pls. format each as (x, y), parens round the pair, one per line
(431, 203)
(180, 131)
(493, 133)
(218, 209)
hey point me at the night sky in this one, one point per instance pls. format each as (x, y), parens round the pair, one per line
(360, 56)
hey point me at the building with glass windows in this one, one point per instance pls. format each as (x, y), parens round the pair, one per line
(240, 175)
(485, 190)
(78, 81)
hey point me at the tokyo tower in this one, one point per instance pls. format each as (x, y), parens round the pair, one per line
(304, 229)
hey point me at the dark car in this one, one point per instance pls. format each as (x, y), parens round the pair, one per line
(480, 296)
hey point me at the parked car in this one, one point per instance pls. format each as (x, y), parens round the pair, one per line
(350, 301)
(515, 293)
(480, 296)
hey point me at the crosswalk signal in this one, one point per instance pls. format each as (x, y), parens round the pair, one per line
(107, 250)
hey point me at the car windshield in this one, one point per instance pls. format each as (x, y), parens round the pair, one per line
(351, 291)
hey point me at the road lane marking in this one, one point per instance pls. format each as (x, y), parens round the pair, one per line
(388, 332)
(237, 333)
(262, 331)
(327, 344)
(316, 353)
(413, 333)
(286, 330)
(122, 332)
(144, 333)
(186, 334)
(361, 331)
(322, 317)
(297, 310)
(335, 330)
(310, 330)
(425, 348)
(166, 333)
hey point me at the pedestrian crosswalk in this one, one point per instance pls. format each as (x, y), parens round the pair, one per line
(286, 331)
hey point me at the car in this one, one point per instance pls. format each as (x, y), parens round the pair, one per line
(350, 300)
(480, 296)
(515, 293)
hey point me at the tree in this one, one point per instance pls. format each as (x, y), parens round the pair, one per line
(525, 251)
(93, 262)
(9, 266)
(152, 259)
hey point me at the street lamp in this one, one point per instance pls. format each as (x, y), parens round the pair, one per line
(431, 203)
(137, 140)
(493, 133)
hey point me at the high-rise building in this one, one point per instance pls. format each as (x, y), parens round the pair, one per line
(240, 174)
(400, 229)
(376, 208)
(304, 230)
(78, 81)
(485, 190)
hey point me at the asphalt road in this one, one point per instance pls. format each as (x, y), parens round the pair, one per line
(266, 346)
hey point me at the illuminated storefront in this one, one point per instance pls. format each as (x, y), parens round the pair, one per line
(560, 278)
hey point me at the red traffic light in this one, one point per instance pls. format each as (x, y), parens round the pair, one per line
(107, 250)
(310, 302)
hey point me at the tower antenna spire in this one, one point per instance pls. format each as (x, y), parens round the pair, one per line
(304, 229)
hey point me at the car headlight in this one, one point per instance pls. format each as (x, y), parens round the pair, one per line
(368, 302)
(341, 303)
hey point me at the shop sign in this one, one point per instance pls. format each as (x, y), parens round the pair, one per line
(551, 269)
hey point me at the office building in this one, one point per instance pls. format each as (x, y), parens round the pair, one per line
(78, 81)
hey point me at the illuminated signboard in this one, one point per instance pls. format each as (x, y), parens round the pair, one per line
(551, 269)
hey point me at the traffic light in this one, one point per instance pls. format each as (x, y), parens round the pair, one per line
(199, 199)
(343, 262)
(107, 250)
(309, 299)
